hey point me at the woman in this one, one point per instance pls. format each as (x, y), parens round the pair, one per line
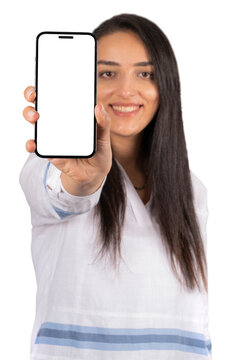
(136, 203)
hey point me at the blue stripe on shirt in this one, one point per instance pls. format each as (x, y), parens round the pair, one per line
(86, 337)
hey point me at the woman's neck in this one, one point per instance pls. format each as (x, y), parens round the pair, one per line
(126, 150)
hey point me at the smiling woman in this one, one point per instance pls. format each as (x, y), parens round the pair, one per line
(138, 83)
(151, 139)
(147, 298)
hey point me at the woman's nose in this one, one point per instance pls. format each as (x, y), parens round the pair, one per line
(126, 87)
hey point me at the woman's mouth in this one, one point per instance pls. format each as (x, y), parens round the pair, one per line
(126, 110)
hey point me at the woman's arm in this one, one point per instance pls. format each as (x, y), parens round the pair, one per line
(47, 197)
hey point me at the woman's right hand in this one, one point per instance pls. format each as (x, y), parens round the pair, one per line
(79, 176)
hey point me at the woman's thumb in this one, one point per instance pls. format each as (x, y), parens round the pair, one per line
(103, 123)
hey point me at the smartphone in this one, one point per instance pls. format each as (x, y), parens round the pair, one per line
(65, 85)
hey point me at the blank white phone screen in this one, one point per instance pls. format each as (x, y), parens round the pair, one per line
(65, 80)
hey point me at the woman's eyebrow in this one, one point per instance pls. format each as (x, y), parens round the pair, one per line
(141, 63)
(105, 62)
(144, 63)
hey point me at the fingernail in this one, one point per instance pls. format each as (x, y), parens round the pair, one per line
(103, 109)
(31, 113)
(29, 92)
(99, 108)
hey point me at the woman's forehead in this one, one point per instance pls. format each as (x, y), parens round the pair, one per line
(121, 47)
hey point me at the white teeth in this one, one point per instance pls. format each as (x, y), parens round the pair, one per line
(125, 108)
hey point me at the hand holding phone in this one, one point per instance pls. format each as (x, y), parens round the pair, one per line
(79, 176)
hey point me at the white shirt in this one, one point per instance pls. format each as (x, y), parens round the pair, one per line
(87, 311)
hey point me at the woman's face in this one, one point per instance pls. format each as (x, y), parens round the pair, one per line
(125, 83)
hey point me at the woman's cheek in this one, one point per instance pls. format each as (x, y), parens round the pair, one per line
(103, 93)
(149, 92)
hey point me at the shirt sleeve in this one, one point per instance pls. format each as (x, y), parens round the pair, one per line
(49, 202)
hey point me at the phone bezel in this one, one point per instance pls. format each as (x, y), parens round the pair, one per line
(95, 91)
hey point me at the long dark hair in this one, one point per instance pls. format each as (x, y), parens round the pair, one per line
(164, 152)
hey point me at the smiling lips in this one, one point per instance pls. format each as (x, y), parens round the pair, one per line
(121, 109)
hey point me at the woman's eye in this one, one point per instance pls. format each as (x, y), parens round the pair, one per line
(106, 74)
(146, 75)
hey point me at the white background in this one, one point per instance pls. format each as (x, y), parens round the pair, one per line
(200, 33)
